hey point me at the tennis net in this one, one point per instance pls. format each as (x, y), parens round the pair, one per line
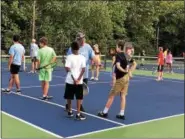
(149, 63)
(27, 63)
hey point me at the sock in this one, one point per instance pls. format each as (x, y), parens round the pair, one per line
(121, 112)
(78, 114)
(105, 110)
(44, 95)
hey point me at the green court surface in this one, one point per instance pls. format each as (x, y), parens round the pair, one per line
(172, 127)
(13, 128)
(166, 128)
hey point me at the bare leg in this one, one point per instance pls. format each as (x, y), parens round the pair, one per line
(11, 82)
(46, 88)
(79, 102)
(92, 69)
(69, 105)
(17, 81)
(97, 71)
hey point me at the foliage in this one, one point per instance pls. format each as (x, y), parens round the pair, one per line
(103, 22)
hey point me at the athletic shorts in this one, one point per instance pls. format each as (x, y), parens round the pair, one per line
(72, 90)
(45, 75)
(120, 87)
(14, 69)
(34, 59)
(85, 81)
(160, 68)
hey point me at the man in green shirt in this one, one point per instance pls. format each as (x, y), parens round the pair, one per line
(46, 55)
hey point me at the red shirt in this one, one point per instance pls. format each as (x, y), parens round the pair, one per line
(161, 58)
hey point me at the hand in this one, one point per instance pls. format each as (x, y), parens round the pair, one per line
(77, 82)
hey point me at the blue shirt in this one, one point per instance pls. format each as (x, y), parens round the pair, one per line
(88, 53)
(34, 50)
(17, 51)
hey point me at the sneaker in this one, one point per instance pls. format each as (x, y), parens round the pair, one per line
(96, 79)
(49, 97)
(44, 98)
(31, 72)
(92, 78)
(5, 90)
(82, 109)
(158, 79)
(80, 117)
(70, 114)
(101, 114)
(18, 91)
(120, 116)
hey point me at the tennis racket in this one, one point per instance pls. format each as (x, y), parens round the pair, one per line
(48, 66)
(85, 87)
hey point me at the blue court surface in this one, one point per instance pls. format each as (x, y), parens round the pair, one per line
(146, 100)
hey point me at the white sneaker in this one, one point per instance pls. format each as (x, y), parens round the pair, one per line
(31, 72)
(92, 78)
(96, 79)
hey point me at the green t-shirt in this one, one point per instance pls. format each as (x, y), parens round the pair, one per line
(45, 55)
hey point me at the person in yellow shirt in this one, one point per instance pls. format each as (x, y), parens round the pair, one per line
(165, 54)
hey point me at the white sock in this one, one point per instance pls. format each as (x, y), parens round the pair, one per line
(105, 110)
(121, 112)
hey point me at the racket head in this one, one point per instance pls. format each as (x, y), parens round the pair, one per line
(85, 89)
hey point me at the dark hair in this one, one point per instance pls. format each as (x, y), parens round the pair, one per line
(43, 40)
(168, 51)
(74, 46)
(16, 38)
(121, 44)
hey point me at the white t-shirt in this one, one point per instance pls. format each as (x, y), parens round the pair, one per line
(34, 50)
(75, 63)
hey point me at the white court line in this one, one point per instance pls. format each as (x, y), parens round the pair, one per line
(39, 86)
(55, 104)
(30, 124)
(138, 123)
(55, 85)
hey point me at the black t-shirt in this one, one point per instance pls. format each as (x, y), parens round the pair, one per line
(121, 58)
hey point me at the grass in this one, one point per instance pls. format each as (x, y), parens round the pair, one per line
(166, 128)
(12, 128)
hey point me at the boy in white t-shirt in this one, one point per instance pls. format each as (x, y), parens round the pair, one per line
(75, 65)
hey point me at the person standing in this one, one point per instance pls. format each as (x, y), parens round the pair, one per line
(160, 62)
(95, 67)
(16, 53)
(33, 54)
(75, 66)
(124, 66)
(46, 56)
(88, 53)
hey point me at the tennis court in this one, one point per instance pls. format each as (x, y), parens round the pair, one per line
(154, 109)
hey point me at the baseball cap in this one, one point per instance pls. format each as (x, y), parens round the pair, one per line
(80, 35)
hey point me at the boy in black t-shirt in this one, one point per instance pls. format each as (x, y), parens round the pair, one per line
(125, 65)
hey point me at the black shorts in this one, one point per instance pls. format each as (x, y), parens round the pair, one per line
(85, 81)
(34, 59)
(14, 69)
(160, 68)
(72, 90)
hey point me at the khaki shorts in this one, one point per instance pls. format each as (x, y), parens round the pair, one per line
(120, 87)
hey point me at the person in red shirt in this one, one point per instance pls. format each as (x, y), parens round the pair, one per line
(160, 62)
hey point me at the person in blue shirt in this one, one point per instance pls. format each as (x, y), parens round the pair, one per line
(16, 53)
(87, 51)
